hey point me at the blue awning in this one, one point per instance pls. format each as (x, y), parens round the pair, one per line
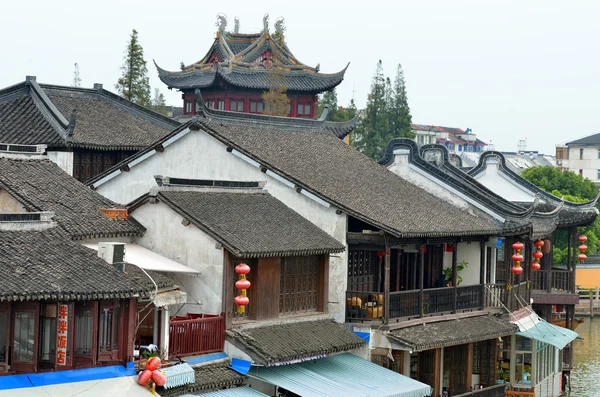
(341, 375)
(233, 392)
(552, 334)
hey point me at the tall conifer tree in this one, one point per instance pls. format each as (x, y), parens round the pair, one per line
(134, 84)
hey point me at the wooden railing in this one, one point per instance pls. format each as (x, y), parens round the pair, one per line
(518, 296)
(196, 336)
(511, 392)
(553, 280)
(492, 391)
(495, 295)
(369, 305)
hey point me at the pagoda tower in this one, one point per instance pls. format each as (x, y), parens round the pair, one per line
(238, 68)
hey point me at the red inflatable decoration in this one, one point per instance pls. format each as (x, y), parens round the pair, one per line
(144, 377)
(153, 363)
(159, 378)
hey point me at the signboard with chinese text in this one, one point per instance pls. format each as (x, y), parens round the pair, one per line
(62, 327)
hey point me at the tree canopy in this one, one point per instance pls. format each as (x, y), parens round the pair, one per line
(561, 183)
(570, 187)
(387, 115)
(134, 84)
(275, 98)
(336, 112)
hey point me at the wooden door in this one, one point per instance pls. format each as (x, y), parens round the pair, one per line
(25, 319)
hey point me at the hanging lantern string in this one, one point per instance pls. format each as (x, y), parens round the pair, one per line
(582, 248)
(517, 258)
(242, 284)
(537, 255)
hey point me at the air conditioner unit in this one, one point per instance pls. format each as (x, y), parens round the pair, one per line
(113, 253)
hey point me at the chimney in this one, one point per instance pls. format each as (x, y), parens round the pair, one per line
(98, 86)
(113, 253)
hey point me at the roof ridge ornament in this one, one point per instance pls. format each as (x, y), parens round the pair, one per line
(266, 24)
(236, 25)
(72, 122)
(221, 23)
(280, 28)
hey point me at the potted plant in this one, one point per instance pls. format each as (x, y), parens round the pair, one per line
(448, 273)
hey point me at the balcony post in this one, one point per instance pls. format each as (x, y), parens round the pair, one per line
(454, 277)
(386, 282)
(421, 278)
(482, 269)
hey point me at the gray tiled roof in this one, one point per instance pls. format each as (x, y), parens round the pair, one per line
(38, 114)
(336, 172)
(103, 123)
(241, 76)
(40, 265)
(22, 123)
(453, 332)
(212, 376)
(302, 340)
(41, 185)
(251, 223)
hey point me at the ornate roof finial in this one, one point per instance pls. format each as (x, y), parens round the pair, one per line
(266, 23)
(236, 25)
(72, 122)
(221, 23)
(279, 27)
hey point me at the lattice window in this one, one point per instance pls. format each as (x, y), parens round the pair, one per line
(362, 268)
(299, 284)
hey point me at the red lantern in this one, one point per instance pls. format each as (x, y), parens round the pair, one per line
(242, 284)
(159, 378)
(153, 363)
(582, 238)
(242, 268)
(517, 270)
(518, 246)
(144, 377)
(582, 248)
(537, 255)
(535, 266)
(538, 243)
(517, 258)
(241, 301)
(582, 257)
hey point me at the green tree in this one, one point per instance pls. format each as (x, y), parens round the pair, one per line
(336, 113)
(159, 104)
(570, 187)
(368, 136)
(553, 180)
(134, 84)
(275, 99)
(387, 115)
(399, 111)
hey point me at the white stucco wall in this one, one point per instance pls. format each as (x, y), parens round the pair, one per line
(10, 205)
(190, 246)
(63, 159)
(404, 170)
(493, 179)
(589, 163)
(199, 156)
(468, 252)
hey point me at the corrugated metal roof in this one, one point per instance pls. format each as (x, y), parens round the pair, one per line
(341, 375)
(551, 334)
(234, 392)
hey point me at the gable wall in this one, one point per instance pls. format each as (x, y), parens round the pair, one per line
(493, 179)
(187, 245)
(200, 156)
(10, 205)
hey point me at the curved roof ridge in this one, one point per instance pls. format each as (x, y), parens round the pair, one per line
(456, 178)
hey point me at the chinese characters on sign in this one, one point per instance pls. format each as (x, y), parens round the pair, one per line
(62, 326)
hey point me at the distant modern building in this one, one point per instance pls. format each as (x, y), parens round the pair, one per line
(581, 156)
(455, 140)
(515, 161)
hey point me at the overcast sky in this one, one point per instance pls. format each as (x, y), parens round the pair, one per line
(508, 70)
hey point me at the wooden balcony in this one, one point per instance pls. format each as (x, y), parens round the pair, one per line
(191, 336)
(555, 287)
(370, 305)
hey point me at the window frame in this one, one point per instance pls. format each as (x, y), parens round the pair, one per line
(90, 357)
(112, 350)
